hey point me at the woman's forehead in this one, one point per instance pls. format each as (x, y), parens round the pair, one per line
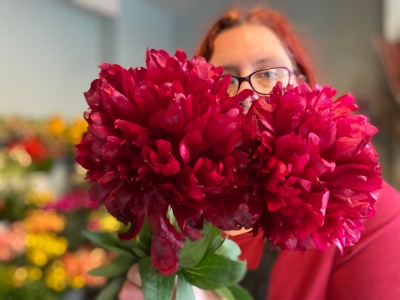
(249, 44)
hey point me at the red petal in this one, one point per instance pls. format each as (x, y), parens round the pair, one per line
(93, 97)
(129, 128)
(167, 241)
(116, 104)
(189, 146)
(189, 183)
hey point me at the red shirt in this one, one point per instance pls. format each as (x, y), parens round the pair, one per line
(368, 270)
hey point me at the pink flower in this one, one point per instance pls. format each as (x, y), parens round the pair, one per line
(12, 239)
(314, 171)
(74, 200)
(162, 136)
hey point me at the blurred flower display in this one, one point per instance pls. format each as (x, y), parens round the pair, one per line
(44, 207)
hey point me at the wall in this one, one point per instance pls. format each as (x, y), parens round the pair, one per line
(49, 47)
(50, 51)
(140, 26)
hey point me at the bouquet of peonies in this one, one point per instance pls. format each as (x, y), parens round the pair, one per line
(171, 154)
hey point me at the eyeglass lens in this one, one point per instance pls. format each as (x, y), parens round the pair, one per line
(262, 81)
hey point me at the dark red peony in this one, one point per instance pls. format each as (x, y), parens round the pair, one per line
(163, 136)
(298, 166)
(314, 173)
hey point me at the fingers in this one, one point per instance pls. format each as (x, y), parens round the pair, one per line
(131, 287)
(130, 291)
(205, 295)
(133, 275)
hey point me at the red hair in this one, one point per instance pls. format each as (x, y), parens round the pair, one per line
(271, 19)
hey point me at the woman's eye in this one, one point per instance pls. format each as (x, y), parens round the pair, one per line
(267, 74)
(233, 81)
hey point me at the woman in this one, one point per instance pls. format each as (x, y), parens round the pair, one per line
(261, 43)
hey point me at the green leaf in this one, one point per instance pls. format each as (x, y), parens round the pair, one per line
(234, 292)
(184, 289)
(110, 292)
(214, 272)
(145, 236)
(192, 252)
(239, 292)
(154, 285)
(139, 250)
(229, 249)
(119, 266)
(215, 238)
(171, 217)
(107, 241)
(226, 294)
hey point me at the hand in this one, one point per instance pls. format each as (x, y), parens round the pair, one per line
(131, 289)
(205, 295)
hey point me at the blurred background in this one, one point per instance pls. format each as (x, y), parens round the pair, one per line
(49, 52)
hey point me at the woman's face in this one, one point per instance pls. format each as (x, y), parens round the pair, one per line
(247, 48)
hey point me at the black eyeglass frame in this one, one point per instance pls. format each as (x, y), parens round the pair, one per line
(248, 78)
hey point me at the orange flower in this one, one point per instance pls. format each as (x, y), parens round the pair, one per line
(44, 221)
(77, 265)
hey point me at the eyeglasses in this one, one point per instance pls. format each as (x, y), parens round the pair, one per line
(261, 81)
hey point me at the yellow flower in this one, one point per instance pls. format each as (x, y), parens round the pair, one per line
(109, 223)
(38, 256)
(77, 281)
(24, 274)
(76, 130)
(101, 220)
(56, 276)
(35, 273)
(43, 246)
(20, 274)
(57, 126)
(39, 198)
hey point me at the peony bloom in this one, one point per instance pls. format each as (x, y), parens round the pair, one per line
(298, 166)
(167, 135)
(314, 172)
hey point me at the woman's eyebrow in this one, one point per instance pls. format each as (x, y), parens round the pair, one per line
(231, 69)
(265, 62)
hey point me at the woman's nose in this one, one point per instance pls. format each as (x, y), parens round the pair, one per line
(246, 105)
(244, 86)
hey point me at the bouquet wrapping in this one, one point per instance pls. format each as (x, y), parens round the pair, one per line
(170, 154)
